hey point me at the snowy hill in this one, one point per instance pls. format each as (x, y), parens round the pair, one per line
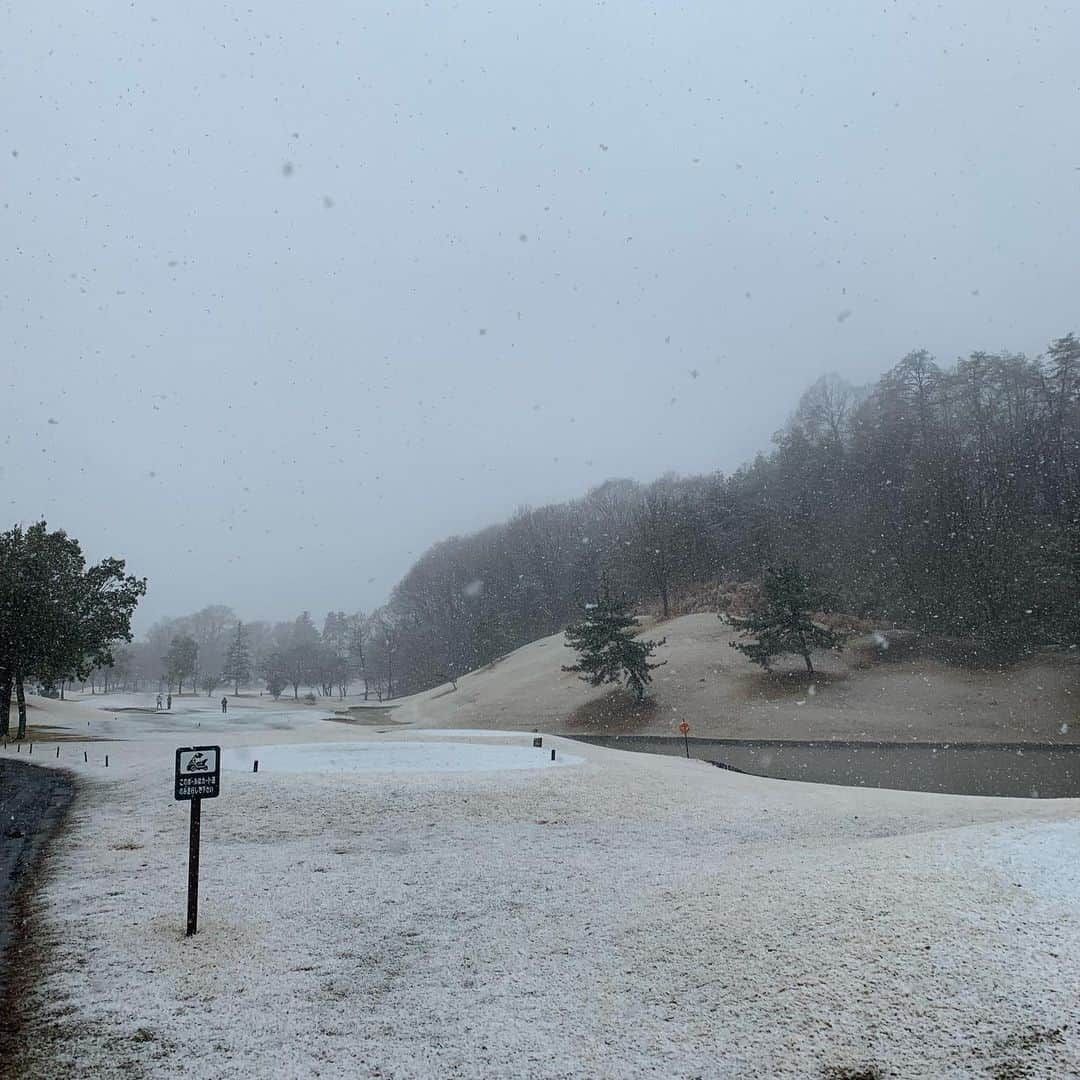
(863, 693)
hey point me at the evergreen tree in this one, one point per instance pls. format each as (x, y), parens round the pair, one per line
(180, 660)
(608, 650)
(781, 621)
(58, 618)
(274, 671)
(238, 659)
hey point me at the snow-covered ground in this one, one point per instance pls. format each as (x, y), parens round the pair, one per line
(415, 756)
(618, 915)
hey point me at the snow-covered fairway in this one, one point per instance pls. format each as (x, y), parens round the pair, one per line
(384, 755)
(619, 916)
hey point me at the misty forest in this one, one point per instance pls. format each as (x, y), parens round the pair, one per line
(941, 499)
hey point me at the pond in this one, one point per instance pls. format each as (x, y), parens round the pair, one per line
(1021, 770)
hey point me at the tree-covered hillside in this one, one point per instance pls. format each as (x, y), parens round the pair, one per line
(943, 498)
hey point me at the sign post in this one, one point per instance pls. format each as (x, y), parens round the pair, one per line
(198, 777)
(684, 727)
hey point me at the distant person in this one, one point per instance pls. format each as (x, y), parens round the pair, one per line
(159, 702)
(224, 704)
(168, 700)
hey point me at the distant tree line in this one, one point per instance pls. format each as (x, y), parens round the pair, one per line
(213, 649)
(944, 499)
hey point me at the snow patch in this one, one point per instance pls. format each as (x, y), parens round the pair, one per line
(408, 757)
(1042, 858)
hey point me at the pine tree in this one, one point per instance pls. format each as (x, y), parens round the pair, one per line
(781, 621)
(608, 650)
(238, 659)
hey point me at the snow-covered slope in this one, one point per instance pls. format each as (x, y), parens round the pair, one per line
(721, 694)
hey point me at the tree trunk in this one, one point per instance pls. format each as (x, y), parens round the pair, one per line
(6, 682)
(63, 683)
(664, 598)
(20, 695)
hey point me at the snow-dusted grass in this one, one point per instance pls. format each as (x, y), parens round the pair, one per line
(721, 694)
(628, 916)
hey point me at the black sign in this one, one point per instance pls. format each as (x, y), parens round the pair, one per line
(198, 772)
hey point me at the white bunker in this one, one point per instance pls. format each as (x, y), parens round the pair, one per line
(414, 756)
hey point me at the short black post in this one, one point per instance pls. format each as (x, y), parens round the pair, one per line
(686, 740)
(31, 748)
(553, 753)
(84, 757)
(58, 751)
(106, 761)
(193, 868)
(256, 769)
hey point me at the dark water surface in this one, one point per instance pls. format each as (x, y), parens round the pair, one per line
(1021, 770)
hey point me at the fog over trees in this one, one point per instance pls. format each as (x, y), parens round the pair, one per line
(942, 498)
(213, 647)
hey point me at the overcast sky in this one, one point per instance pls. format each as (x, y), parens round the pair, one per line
(290, 291)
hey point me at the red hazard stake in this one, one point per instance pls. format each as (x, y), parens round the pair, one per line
(684, 727)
